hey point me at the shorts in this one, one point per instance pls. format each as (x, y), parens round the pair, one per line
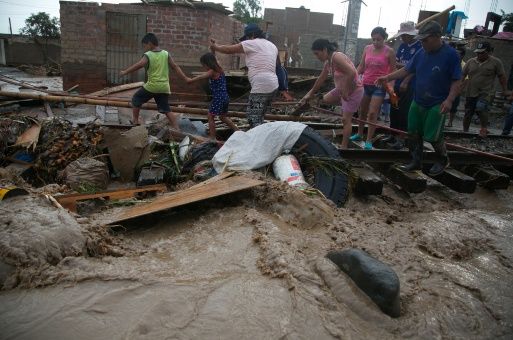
(427, 122)
(353, 102)
(218, 106)
(258, 105)
(374, 91)
(142, 96)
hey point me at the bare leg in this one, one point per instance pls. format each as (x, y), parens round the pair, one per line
(135, 116)
(229, 122)
(173, 120)
(347, 117)
(364, 108)
(211, 126)
(374, 108)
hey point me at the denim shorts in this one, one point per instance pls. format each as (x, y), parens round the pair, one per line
(373, 90)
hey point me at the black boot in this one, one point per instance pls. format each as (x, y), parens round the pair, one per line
(416, 148)
(442, 159)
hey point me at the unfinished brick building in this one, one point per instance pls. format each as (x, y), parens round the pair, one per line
(294, 30)
(99, 40)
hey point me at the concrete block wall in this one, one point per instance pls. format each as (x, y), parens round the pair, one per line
(182, 30)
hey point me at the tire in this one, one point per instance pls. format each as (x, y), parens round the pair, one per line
(333, 186)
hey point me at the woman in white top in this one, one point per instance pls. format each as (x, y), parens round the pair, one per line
(261, 56)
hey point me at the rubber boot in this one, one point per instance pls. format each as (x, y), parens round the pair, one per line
(442, 159)
(416, 147)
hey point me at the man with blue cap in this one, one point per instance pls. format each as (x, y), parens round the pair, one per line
(261, 56)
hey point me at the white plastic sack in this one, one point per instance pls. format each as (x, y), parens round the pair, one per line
(258, 147)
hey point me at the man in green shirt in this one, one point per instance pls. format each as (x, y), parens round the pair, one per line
(481, 71)
(156, 62)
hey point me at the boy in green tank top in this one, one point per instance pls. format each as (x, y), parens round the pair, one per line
(156, 62)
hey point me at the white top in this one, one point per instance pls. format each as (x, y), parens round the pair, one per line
(261, 57)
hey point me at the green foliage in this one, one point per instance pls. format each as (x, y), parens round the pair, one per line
(41, 26)
(247, 10)
(507, 20)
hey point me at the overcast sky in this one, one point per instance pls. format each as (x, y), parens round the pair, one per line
(386, 13)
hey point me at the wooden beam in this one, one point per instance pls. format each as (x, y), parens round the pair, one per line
(70, 201)
(488, 176)
(194, 194)
(457, 181)
(366, 182)
(413, 182)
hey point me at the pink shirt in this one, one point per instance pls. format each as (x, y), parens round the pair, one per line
(339, 77)
(376, 65)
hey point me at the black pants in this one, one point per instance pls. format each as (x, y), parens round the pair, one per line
(399, 116)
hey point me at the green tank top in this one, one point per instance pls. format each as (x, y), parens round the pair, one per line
(157, 70)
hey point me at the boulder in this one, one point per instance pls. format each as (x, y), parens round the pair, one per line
(373, 277)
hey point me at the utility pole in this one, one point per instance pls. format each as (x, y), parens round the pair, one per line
(352, 25)
(10, 27)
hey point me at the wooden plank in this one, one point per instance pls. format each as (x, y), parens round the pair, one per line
(194, 194)
(457, 181)
(69, 201)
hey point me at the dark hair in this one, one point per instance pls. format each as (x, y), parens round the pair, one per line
(321, 44)
(461, 51)
(210, 61)
(381, 31)
(150, 38)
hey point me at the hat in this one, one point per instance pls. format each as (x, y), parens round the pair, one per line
(250, 29)
(429, 29)
(408, 28)
(483, 47)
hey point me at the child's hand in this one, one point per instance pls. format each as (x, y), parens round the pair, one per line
(188, 80)
(122, 72)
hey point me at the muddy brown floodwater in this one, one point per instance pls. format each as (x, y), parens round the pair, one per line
(252, 266)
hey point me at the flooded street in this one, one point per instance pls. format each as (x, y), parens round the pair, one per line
(253, 266)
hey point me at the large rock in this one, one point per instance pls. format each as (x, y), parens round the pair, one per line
(372, 276)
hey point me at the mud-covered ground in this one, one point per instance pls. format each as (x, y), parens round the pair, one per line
(251, 265)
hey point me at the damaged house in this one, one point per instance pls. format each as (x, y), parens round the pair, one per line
(100, 39)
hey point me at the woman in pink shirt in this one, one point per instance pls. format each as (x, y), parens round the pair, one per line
(348, 90)
(378, 60)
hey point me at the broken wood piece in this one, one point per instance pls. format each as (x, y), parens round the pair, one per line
(74, 87)
(48, 109)
(69, 201)
(191, 195)
(30, 137)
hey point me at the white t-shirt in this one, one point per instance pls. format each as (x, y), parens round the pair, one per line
(261, 57)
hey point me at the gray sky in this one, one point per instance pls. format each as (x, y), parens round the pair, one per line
(392, 12)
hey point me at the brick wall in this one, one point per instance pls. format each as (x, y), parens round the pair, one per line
(183, 30)
(299, 28)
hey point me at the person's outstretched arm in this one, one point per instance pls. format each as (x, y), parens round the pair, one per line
(205, 75)
(226, 49)
(177, 68)
(318, 83)
(140, 64)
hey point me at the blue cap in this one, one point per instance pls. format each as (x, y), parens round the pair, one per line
(250, 29)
